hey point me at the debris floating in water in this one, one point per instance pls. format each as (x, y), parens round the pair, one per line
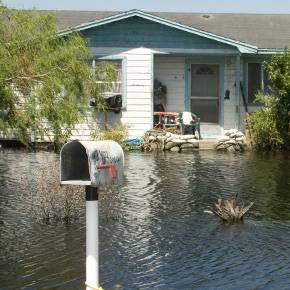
(229, 211)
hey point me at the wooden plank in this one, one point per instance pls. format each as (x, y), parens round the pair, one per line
(139, 82)
(139, 70)
(138, 76)
(139, 95)
(129, 114)
(139, 101)
(139, 63)
(141, 89)
(139, 57)
(138, 108)
(136, 120)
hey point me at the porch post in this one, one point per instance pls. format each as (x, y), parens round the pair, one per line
(237, 90)
(187, 94)
(152, 89)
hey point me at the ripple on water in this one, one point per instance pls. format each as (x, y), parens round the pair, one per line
(153, 231)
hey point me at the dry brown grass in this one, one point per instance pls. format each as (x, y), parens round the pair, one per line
(229, 211)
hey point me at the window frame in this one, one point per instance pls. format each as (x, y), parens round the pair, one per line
(124, 74)
(246, 75)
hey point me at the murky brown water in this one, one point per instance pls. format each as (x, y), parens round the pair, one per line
(153, 231)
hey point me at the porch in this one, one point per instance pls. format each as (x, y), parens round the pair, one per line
(203, 85)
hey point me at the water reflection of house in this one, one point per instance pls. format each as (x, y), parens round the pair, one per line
(201, 59)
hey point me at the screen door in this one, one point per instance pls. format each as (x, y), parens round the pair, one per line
(204, 99)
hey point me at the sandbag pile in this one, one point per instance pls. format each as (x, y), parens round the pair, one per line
(233, 140)
(156, 140)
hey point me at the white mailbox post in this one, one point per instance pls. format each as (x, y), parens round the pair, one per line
(92, 164)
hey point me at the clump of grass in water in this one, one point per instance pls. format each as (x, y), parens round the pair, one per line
(229, 211)
(54, 203)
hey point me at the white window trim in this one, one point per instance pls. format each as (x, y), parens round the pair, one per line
(124, 74)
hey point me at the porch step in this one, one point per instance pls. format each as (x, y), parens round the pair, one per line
(210, 131)
(207, 144)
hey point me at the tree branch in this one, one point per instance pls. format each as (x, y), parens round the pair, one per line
(25, 78)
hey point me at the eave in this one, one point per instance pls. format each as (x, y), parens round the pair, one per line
(241, 46)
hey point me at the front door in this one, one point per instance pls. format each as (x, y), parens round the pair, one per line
(204, 99)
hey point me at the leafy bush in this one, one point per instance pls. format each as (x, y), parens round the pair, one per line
(278, 70)
(118, 133)
(263, 124)
(270, 125)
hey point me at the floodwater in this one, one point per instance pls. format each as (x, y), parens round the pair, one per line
(154, 233)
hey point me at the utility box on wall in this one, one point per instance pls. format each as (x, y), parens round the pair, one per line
(93, 163)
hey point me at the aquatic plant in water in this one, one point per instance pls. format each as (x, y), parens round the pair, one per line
(229, 211)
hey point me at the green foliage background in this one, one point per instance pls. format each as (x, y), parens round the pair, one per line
(270, 125)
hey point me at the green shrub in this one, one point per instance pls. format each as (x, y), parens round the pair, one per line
(118, 133)
(270, 126)
(265, 133)
(278, 70)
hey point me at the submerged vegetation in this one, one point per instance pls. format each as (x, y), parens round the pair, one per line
(270, 125)
(53, 203)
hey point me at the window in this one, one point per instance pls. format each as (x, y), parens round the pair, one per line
(257, 81)
(204, 70)
(115, 87)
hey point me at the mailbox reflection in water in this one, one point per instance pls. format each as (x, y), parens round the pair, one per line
(94, 163)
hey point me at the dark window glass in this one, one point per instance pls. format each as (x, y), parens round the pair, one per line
(267, 89)
(254, 80)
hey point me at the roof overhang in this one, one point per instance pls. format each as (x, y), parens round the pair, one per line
(242, 47)
(271, 50)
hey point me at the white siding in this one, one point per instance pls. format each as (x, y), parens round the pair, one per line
(138, 112)
(170, 72)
